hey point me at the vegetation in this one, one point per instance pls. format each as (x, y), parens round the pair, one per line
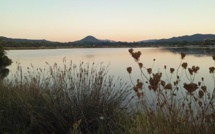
(167, 104)
(85, 99)
(62, 100)
(4, 61)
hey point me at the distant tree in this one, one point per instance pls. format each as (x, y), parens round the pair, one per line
(4, 61)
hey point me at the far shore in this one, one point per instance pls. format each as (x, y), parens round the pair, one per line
(70, 47)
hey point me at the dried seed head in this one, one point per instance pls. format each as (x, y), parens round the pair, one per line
(130, 51)
(129, 69)
(154, 81)
(140, 65)
(195, 69)
(184, 65)
(183, 55)
(168, 86)
(199, 83)
(149, 70)
(213, 57)
(190, 71)
(136, 55)
(172, 70)
(190, 87)
(211, 69)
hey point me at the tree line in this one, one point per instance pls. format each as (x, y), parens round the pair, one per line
(48, 44)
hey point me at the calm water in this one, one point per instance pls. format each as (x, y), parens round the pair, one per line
(118, 58)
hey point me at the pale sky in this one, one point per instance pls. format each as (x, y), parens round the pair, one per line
(119, 20)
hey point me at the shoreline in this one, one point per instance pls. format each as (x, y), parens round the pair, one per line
(147, 46)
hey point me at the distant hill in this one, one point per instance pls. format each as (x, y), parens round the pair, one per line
(93, 39)
(22, 40)
(189, 38)
(90, 39)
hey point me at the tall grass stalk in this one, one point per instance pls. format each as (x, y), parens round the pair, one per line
(171, 104)
(69, 99)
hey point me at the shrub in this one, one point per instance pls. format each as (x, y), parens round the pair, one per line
(4, 62)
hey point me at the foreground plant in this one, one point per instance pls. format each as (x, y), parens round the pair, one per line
(171, 105)
(4, 61)
(68, 99)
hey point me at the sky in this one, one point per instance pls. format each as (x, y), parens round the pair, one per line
(119, 20)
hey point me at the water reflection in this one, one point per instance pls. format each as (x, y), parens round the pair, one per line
(196, 51)
(118, 58)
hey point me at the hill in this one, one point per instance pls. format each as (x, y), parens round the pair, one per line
(21, 40)
(189, 38)
(90, 39)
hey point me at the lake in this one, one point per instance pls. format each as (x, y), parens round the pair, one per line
(118, 60)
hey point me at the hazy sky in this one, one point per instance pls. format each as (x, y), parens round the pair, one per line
(120, 20)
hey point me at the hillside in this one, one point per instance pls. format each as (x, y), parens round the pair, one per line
(21, 40)
(188, 38)
(90, 39)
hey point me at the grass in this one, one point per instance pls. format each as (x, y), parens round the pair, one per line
(67, 99)
(83, 98)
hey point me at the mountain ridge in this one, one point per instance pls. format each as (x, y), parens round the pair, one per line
(189, 38)
(90, 38)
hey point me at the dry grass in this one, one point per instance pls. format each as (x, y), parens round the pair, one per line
(66, 99)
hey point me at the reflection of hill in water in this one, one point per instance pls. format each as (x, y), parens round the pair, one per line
(196, 51)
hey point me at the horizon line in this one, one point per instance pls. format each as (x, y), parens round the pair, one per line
(101, 39)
